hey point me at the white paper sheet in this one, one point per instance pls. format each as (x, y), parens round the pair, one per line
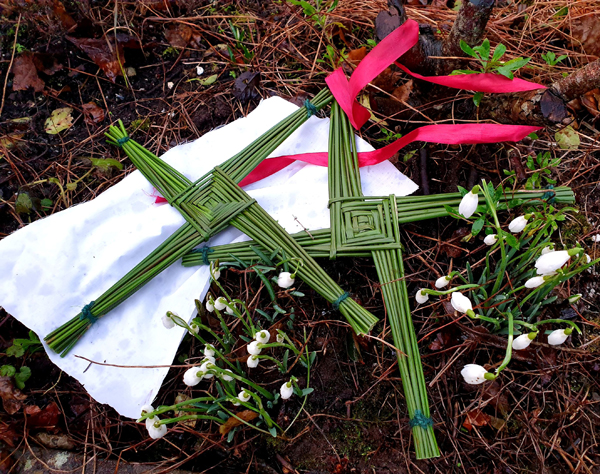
(54, 266)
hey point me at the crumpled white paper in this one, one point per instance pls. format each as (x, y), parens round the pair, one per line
(54, 266)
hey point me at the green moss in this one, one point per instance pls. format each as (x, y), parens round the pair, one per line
(573, 228)
(141, 123)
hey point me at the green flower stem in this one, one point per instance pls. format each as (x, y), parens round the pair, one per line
(508, 355)
(272, 359)
(557, 321)
(168, 421)
(447, 292)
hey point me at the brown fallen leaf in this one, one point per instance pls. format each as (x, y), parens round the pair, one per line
(59, 11)
(357, 55)
(476, 418)
(12, 397)
(8, 434)
(92, 113)
(245, 87)
(441, 341)
(104, 53)
(585, 31)
(591, 101)
(453, 247)
(36, 417)
(180, 398)
(46, 63)
(403, 92)
(231, 423)
(60, 441)
(178, 35)
(26, 75)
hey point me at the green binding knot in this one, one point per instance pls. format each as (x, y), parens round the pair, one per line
(336, 304)
(549, 196)
(86, 313)
(205, 251)
(420, 420)
(122, 141)
(310, 108)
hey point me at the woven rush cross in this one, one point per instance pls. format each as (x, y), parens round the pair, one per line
(209, 205)
(369, 226)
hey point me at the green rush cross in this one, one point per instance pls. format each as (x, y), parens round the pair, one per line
(369, 226)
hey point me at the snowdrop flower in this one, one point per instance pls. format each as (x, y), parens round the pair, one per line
(262, 336)
(220, 303)
(596, 238)
(442, 282)
(206, 369)
(215, 272)
(475, 374)
(194, 328)
(490, 239)
(285, 280)
(535, 282)
(280, 337)
(523, 341)
(209, 351)
(461, 303)
(155, 429)
(210, 305)
(199, 70)
(168, 321)
(225, 376)
(469, 202)
(147, 409)
(421, 297)
(209, 358)
(254, 348)
(574, 298)
(243, 396)
(286, 390)
(547, 249)
(231, 309)
(191, 377)
(556, 338)
(552, 261)
(517, 225)
(253, 361)
(588, 259)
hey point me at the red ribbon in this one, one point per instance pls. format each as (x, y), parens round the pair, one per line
(385, 53)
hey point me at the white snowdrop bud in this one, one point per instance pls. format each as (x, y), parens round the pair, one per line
(286, 390)
(209, 351)
(551, 261)
(231, 309)
(253, 361)
(474, 374)
(461, 303)
(253, 348)
(517, 225)
(280, 338)
(285, 280)
(442, 282)
(421, 297)
(468, 204)
(490, 239)
(574, 298)
(146, 409)
(215, 272)
(547, 249)
(220, 303)
(225, 376)
(595, 238)
(206, 369)
(155, 429)
(556, 338)
(534, 282)
(168, 321)
(262, 336)
(244, 396)
(588, 259)
(194, 328)
(523, 341)
(190, 377)
(210, 305)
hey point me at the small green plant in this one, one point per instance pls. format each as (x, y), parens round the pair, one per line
(333, 57)
(20, 346)
(551, 59)
(318, 12)
(493, 64)
(239, 35)
(19, 377)
(541, 168)
(170, 53)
